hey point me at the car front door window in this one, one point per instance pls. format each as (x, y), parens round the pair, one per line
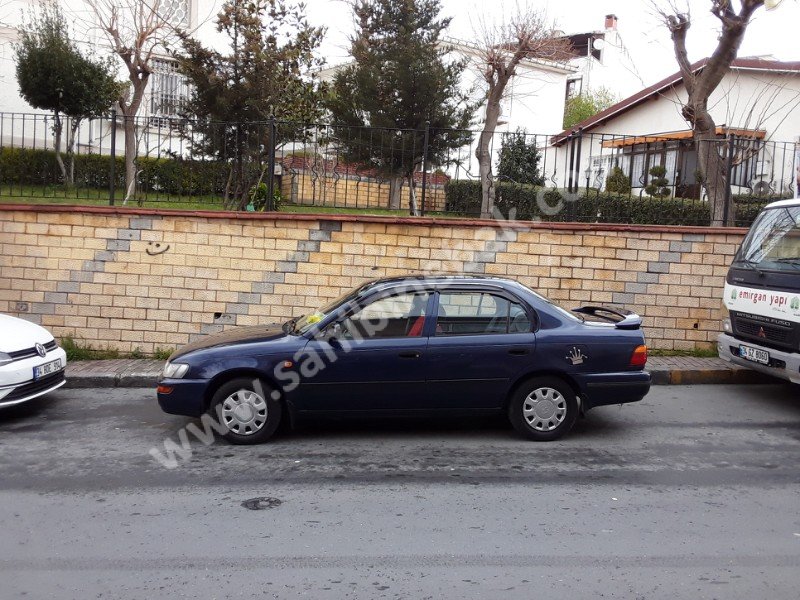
(397, 316)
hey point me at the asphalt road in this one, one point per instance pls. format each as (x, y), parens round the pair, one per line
(692, 493)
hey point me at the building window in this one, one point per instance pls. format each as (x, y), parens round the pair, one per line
(574, 88)
(169, 91)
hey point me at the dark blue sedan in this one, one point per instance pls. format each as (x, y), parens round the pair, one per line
(411, 345)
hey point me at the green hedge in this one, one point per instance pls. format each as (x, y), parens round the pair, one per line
(463, 197)
(164, 175)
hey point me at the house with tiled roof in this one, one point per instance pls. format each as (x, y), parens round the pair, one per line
(757, 104)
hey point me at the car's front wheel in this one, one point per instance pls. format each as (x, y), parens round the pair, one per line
(543, 409)
(246, 410)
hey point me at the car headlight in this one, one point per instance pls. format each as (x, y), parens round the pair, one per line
(4, 359)
(175, 370)
(726, 325)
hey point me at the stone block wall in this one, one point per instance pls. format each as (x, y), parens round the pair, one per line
(147, 279)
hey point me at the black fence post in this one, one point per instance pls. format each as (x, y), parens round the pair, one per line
(112, 184)
(271, 165)
(425, 165)
(728, 172)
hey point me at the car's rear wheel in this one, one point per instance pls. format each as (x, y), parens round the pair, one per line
(543, 409)
(246, 410)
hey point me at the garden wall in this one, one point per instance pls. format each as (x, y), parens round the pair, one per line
(147, 279)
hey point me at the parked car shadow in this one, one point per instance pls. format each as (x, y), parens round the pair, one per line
(32, 408)
(360, 427)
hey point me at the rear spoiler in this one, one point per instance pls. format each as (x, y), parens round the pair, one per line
(621, 318)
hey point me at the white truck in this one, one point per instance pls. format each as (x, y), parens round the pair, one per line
(762, 295)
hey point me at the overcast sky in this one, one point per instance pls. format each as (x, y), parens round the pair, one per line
(771, 33)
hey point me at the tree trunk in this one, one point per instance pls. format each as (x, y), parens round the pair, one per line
(73, 130)
(395, 189)
(130, 158)
(58, 128)
(412, 196)
(129, 112)
(483, 152)
(711, 159)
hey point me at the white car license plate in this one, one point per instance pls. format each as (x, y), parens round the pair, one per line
(47, 369)
(754, 354)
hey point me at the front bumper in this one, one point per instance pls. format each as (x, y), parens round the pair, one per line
(186, 398)
(785, 365)
(18, 386)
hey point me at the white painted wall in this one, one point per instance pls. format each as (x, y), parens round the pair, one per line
(746, 98)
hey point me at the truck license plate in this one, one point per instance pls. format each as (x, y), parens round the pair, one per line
(47, 369)
(754, 354)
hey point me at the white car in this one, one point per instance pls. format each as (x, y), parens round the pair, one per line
(31, 363)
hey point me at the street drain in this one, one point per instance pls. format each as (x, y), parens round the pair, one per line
(261, 503)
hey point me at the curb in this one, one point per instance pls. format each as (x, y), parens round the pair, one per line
(710, 377)
(115, 380)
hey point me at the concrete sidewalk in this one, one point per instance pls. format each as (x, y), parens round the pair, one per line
(670, 370)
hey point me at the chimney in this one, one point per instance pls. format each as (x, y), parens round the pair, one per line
(611, 22)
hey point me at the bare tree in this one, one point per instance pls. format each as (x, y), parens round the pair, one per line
(527, 35)
(137, 31)
(700, 84)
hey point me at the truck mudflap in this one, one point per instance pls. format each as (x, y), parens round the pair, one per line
(619, 317)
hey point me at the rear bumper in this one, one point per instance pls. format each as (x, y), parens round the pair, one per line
(785, 365)
(600, 389)
(186, 398)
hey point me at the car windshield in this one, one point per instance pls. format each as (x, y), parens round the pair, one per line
(302, 324)
(773, 243)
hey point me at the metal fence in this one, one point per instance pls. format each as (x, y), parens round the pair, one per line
(653, 178)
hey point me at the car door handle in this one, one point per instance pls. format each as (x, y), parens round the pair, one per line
(518, 351)
(409, 355)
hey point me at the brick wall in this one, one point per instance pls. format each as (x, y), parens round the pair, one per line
(136, 278)
(302, 187)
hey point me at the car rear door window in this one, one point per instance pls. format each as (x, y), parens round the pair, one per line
(479, 313)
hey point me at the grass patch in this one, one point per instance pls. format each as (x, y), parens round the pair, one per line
(82, 196)
(76, 351)
(697, 353)
(163, 353)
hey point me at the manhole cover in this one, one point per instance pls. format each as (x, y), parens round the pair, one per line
(261, 503)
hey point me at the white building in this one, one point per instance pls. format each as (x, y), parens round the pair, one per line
(165, 90)
(602, 61)
(758, 102)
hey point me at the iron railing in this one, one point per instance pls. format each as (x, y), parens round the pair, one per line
(654, 178)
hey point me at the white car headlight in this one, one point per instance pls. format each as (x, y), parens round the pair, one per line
(4, 359)
(175, 370)
(726, 326)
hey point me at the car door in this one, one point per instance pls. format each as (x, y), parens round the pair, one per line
(374, 357)
(481, 342)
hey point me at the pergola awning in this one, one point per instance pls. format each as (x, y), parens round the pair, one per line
(685, 134)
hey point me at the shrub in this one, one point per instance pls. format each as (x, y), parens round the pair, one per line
(259, 195)
(176, 176)
(617, 182)
(658, 182)
(463, 197)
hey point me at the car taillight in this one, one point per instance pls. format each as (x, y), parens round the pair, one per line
(639, 356)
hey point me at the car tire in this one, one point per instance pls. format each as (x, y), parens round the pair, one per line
(246, 410)
(543, 409)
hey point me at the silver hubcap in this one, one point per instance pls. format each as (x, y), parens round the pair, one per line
(244, 412)
(544, 409)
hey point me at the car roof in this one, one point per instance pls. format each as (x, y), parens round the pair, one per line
(383, 283)
(784, 203)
